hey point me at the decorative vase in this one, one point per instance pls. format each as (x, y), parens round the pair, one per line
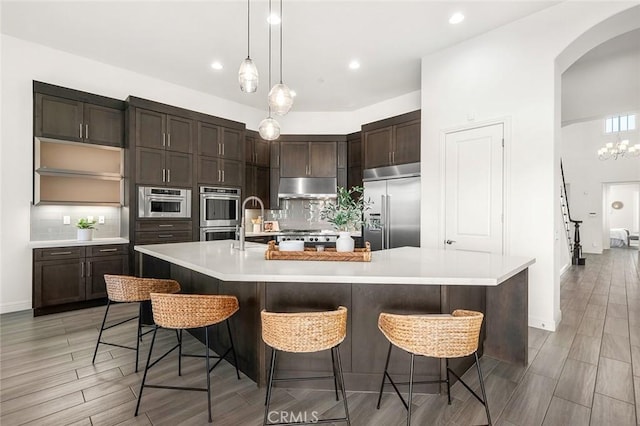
(85, 234)
(345, 243)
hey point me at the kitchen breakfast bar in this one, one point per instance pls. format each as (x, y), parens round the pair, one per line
(405, 280)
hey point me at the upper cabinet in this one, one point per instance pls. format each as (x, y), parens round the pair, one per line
(77, 121)
(218, 141)
(308, 159)
(163, 131)
(392, 141)
(256, 150)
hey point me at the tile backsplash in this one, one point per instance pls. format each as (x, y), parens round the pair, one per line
(46, 222)
(294, 214)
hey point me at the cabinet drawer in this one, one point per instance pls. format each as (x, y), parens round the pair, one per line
(163, 225)
(163, 237)
(58, 253)
(107, 250)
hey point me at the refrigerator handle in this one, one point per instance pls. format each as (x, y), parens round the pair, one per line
(383, 221)
(388, 216)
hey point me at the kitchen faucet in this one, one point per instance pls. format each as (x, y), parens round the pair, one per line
(241, 233)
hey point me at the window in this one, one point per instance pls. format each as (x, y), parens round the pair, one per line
(620, 123)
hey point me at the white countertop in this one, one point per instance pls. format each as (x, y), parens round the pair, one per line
(70, 243)
(404, 265)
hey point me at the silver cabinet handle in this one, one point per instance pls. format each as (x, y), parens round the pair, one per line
(223, 150)
(219, 148)
(163, 138)
(86, 131)
(219, 176)
(164, 173)
(82, 270)
(223, 172)
(393, 157)
(60, 253)
(80, 130)
(165, 236)
(163, 226)
(168, 175)
(88, 269)
(106, 250)
(168, 140)
(389, 157)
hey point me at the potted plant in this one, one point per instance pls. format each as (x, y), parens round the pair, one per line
(85, 229)
(346, 215)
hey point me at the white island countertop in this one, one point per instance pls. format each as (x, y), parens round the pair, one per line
(404, 265)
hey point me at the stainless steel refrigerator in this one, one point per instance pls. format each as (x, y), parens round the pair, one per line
(394, 217)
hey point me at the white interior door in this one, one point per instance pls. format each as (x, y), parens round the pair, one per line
(474, 189)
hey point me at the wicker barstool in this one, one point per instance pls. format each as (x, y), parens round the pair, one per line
(304, 332)
(437, 336)
(187, 311)
(127, 289)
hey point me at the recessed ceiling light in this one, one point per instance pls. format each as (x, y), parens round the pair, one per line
(456, 18)
(273, 19)
(354, 65)
(216, 65)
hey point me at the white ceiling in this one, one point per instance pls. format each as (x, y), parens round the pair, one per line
(177, 41)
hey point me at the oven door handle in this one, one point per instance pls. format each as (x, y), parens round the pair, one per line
(176, 199)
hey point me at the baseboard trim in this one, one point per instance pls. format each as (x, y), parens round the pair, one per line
(565, 268)
(6, 308)
(544, 324)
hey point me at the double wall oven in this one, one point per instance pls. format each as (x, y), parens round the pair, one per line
(219, 213)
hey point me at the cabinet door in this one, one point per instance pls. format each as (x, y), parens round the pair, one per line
(103, 126)
(58, 281)
(58, 118)
(208, 139)
(262, 153)
(407, 143)
(262, 188)
(97, 267)
(354, 176)
(249, 184)
(179, 171)
(274, 201)
(249, 153)
(150, 129)
(209, 171)
(232, 146)
(232, 172)
(323, 159)
(179, 134)
(377, 147)
(150, 168)
(294, 159)
(355, 152)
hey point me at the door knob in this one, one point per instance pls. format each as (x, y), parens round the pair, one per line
(449, 242)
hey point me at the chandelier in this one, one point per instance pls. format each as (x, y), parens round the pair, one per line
(248, 73)
(280, 98)
(619, 149)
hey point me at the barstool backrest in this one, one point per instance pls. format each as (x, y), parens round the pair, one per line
(304, 331)
(182, 311)
(439, 336)
(125, 288)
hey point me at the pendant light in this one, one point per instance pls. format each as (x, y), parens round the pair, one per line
(248, 73)
(280, 99)
(269, 128)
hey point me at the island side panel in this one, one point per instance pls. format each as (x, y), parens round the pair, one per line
(507, 320)
(369, 344)
(307, 297)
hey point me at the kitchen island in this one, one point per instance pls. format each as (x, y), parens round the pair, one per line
(399, 280)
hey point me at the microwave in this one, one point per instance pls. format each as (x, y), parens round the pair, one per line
(219, 206)
(164, 202)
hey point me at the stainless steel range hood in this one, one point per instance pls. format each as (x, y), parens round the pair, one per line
(313, 188)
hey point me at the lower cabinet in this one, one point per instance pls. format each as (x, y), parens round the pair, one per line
(155, 231)
(71, 275)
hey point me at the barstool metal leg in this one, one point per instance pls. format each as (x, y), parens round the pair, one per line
(484, 394)
(179, 333)
(448, 382)
(410, 391)
(146, 369)
(384, 376)
(342, 386)
(139, 333)
(233, 349)
(206, 354)
(104, 320)
(269, 386)
(335, 379)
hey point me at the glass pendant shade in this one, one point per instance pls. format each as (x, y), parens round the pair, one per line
(248, 76)
(280, 99)
(269, 129)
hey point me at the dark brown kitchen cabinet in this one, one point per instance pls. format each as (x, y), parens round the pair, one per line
(71, 275)
(257, 182)
(308, 159)
(342, 163)
(73, 120)
(218, 171)
(163, 131)
(219, 141)
(155, 231)
(392, 141)
(257, 151)
(163, 168)
(354, 160)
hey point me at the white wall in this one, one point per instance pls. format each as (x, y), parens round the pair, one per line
(22, 62)
(628, 217)
(509, 73)
(586, 174)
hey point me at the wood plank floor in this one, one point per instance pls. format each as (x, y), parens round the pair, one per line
(588, 372)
